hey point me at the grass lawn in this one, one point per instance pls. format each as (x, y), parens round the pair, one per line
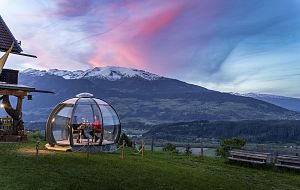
(19, 169)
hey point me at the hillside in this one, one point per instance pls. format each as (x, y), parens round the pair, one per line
(54, 170)
(140, 96)
(282, 101)
(258, 131)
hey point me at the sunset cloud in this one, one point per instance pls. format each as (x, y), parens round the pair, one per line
(226, 45)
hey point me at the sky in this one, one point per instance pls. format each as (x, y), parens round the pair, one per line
(226, 45)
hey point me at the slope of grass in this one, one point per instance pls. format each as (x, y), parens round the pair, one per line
(19, 169)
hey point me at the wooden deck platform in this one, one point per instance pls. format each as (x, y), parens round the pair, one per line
(83, 142)
(108, 147)
(59, 148)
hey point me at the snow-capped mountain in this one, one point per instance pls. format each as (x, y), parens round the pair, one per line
(109, 73)
(282, 101)
(140, 96)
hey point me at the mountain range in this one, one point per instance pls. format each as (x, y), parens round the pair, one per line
(106, 73)
(282, 101)
(140, 96)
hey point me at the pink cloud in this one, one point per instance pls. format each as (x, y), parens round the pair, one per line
(126, 47)
(158, 21)
(130, 33)
(116, 54)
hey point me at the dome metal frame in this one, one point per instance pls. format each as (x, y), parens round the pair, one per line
(49, 125)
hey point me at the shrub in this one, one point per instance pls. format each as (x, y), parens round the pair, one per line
(124, 137)
(188, 149)
(169, 147)
(229, 144)
(35, 136)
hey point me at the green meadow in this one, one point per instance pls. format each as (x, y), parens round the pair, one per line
(20, 168)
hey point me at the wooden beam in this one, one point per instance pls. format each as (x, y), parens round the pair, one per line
(13, 92)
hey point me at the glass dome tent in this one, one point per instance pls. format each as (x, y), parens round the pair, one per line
(83, 121)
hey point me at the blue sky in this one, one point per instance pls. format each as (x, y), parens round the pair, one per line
(226, 45)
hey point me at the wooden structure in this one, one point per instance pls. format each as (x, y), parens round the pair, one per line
(12, 127)
(288, 161)
(250, 157)
(13, 130)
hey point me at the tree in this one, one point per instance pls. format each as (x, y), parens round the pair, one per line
(229, 144)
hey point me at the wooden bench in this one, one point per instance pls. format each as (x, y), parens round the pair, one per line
(250, 157)
(288, 161)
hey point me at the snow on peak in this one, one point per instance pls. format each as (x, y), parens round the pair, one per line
(116, 73)
(109, 73)
(34, 72)
(67, 74)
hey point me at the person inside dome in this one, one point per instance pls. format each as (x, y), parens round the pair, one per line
(97, 128)
(78, 128)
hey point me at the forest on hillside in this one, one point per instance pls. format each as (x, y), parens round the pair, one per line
(256, 131)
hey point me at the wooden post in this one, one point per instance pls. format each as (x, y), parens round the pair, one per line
(37, 149)
(123, 145)
(88, 151)
(143, 147)
(16, 114)
(152, 144)
(201, 148)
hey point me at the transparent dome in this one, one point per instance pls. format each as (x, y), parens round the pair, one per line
(83, 120)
